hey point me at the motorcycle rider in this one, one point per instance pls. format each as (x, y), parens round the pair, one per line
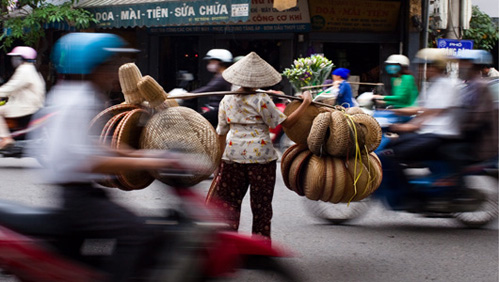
(75, 160)
(218, 61)
(436, 122)
(404, 89)
(25, 91)
(479, 121)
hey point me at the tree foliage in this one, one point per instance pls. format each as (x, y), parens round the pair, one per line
(483, 30)
(25, 20)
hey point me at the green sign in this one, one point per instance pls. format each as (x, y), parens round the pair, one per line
(171, 13)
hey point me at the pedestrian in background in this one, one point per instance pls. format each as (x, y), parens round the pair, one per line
(249, 158)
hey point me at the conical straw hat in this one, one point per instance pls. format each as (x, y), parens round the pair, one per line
(314, 176)
(339, 139)
(328, 179)
(318, 133)
(129, 76)
(373, 136)
(340, 178)
(287, 159)
(296, 171)
(253, 72)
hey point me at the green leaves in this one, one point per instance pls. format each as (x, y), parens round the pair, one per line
(26, 19)
(482, 30)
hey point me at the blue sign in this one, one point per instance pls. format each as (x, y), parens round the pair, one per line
(455, 44)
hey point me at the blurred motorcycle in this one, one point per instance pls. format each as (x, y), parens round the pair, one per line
(192, 246)
(20, 129)
(432, 191)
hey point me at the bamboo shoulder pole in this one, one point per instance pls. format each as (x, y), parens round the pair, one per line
(223, 93)
(351, 82)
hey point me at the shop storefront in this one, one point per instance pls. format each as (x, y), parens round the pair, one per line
(357, 34)
(175, 35)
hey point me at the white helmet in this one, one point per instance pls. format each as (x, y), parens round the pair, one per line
(219, 54)
(398, 59)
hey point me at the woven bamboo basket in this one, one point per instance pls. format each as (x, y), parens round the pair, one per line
(106, 139)
(301, 129)
(127, 135)
(100, 120)
(154, 94)
(182, 129)
(129, 76)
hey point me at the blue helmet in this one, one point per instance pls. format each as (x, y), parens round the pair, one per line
(80, 53)
(477, 57)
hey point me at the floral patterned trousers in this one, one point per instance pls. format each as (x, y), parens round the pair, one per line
(232, 186)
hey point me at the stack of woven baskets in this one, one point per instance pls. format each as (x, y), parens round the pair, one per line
(333, 158)
(148, 120)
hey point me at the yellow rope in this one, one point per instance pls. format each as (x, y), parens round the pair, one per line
(357, 157)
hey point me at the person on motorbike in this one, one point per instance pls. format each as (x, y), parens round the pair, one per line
(479, 120)
(25, 91)
(249, 159)
(76, 161)
(435, 123)
(218, 61)
(404, 89)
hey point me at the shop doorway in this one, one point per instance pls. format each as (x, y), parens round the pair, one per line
(178, 55)
(362, 59)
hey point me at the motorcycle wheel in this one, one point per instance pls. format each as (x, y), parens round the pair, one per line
(488, 209)
(337, 213)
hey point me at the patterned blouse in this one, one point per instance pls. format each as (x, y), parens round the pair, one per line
(246, 120)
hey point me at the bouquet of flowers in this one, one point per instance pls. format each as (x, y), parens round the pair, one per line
(313, 70)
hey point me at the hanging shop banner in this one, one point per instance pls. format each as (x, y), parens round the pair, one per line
(263, 18)
(167, 13)
(357, 16)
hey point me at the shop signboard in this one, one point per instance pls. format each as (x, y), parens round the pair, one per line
(262, 18)
(354, 16)
(166, 13)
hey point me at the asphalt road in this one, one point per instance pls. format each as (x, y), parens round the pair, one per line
(380, 246)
